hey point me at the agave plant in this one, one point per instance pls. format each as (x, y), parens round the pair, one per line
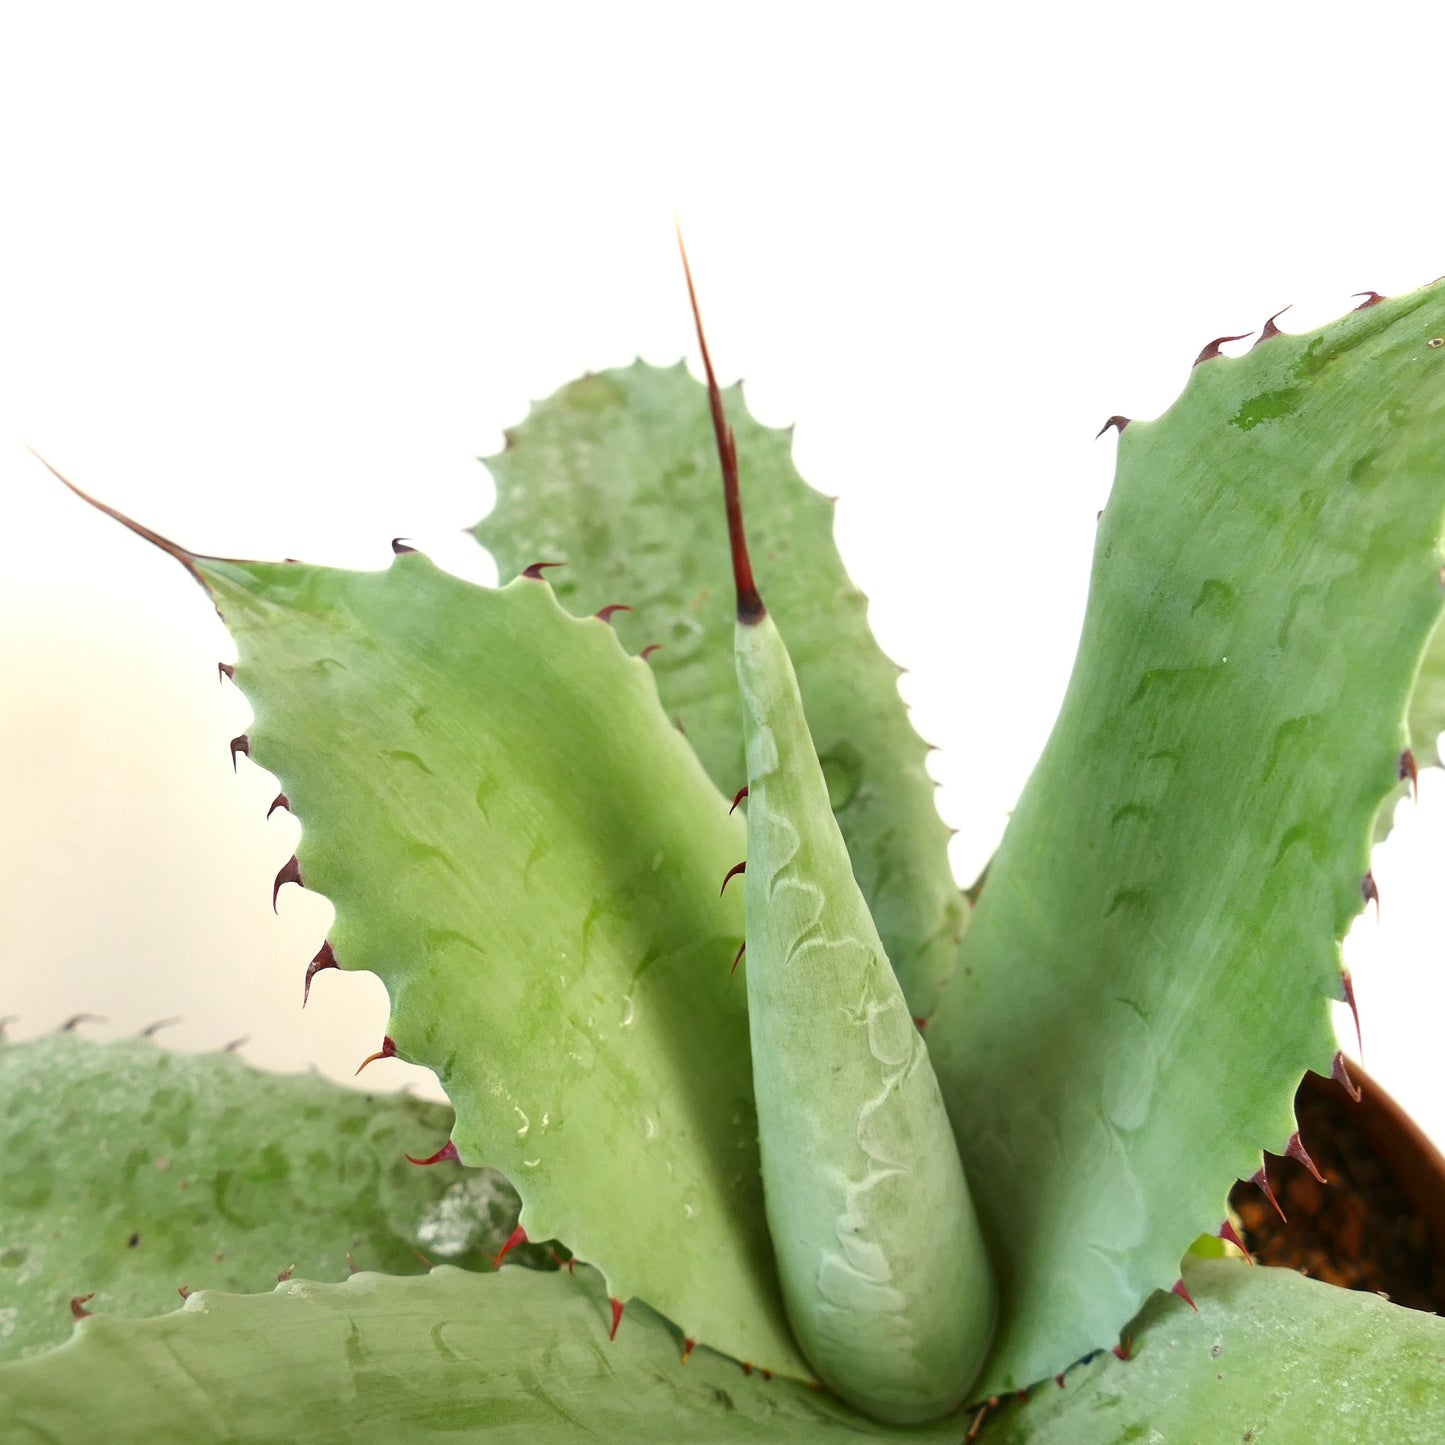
(839, 1149)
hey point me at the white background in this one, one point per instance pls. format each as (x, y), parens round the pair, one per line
(274, 275)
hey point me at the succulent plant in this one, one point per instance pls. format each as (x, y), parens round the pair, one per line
(840, 1149)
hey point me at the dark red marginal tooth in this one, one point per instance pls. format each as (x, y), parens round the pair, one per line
(536, 569)
(1296, 1150)
(1348, 984)
(919, 1023)
(1117, 422)
(290, 873)
(606, 614)
(240, 744)
(75, 1020)
(1059, 1381)
(617, 1308)
(1370, 892)
(1372, 298)
(516, 1237)
(1212, 351)
(747, 1367)
(1124, 1350)
(226, 669)
(688, 1346)
(325, 958)
(1341, 1076)
(741, 794)
(766, 1374)
(570, 1264)
(184, 1290)
(283, 1275)
(351, 1264)
(151, 1030)
(738, 956)
(731, 874)
(423, 1258)
(1179, 1289)
(77, 1306)
(400, 547)
(1230, 1234)
(279, 801)
(649, 650)
(447, 1151)
(386, 1051)
(1269, 329)
(1260, 1179)
(1408, 770)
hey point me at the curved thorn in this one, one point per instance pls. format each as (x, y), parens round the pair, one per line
(1372, 298)
(1370, 891)
(386, 1051)
(617, 1308)
(536, 569)
(1348, 983)
(279, 801)
(605, 614)
(225, 669)
(1408, 770)
(75, 1020)
(1230, 1234)
(1269, 329)
(649, 650)
(738, 956)
(77, 1306)
(1296, 1150)
(1260, 1180)
(1212, 351)
(400, 547)
(741, 794)
(1117, 422)
(1341, 1075)
(241, 744)
(516, 1237)
(447, 1151)
(184, 1290)
(290, 872)
(688, 1346)
(325, 958)
(731, 874)
(151, 1030)
(1179, 1289)
(282, 1275)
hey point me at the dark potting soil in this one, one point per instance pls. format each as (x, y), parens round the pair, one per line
(1357, 1229)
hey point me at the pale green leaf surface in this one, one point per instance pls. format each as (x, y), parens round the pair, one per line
(1150, 965)
(129, 1172)
(616, 475)
(520, 843)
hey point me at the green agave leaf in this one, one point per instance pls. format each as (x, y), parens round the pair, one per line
(524, 848)
(1270, 1356)
(616, 476)
(1150, 964)
(130, 1172)
(514, 1358)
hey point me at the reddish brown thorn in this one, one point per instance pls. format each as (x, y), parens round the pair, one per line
(77, 1306)
(184, 1290)
(1212, 350)
(1117, 422)
(766, 1374)
(1184, 1294)
(1261, 1181)
(1059, 1381)
(285, 1274)
(688, 1346)
(226, 669)
(1296, 1150)
(616, 1318)
(400, 548)
(516, 1237)
(240, 744)
(973, 1430)
(1371, 893)
(75, 1020)
(1269, 329)
(1230, 1235)
(423, 1258)
(351, 1264)
(1125, 1348)
(536, 569)
(1348, 984)
(279, 801)
(738, 956)
(290, 873)
(1407, 770)
(747, 1368)
(386, 1051)
(325, 958)
(1372, 298)
(151, 1030)
(649, 650)
(741, 794)
(733, 873)
(570, 1264)
(447, 1151)
(1341, 1076)
(919, 1023)
(605, 614)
